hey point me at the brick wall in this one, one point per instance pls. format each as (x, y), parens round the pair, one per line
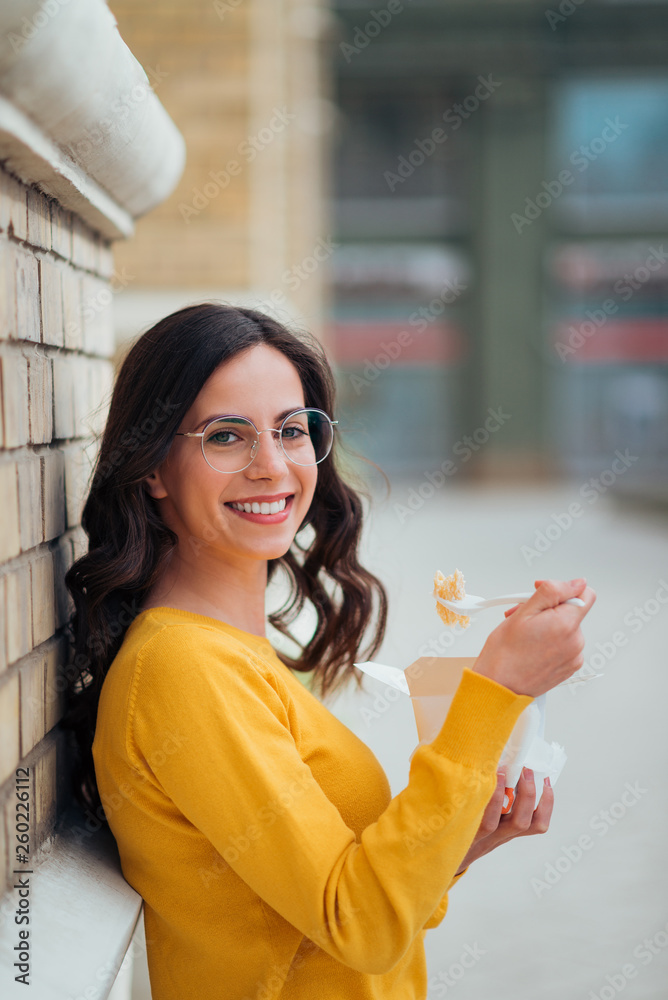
(56, 342)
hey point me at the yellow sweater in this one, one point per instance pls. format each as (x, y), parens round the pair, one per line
(261, 832)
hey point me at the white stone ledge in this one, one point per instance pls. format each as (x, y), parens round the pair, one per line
(78, 115)
(32, 157)
(82, 918)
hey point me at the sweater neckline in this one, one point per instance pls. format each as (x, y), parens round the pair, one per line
(248, 637)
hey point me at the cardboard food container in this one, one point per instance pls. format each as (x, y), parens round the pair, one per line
(431, 682)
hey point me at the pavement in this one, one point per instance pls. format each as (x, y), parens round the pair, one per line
(582, 911)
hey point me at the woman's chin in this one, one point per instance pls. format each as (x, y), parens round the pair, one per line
(274, 549)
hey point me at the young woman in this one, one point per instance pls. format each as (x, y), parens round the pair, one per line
(261, 833)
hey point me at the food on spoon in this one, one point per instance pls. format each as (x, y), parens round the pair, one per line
(450, 588)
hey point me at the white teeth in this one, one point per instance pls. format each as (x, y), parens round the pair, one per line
(261, 508)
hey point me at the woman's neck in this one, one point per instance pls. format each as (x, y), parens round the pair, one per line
(233, 593)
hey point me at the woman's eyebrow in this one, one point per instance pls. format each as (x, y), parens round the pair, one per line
(281, 416)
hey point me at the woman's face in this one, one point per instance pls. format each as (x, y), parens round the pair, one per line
(197, 501)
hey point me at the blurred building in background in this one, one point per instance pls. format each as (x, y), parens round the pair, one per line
(246, 83)
(501, 198)
(465, 200)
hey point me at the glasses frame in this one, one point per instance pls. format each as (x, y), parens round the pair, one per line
(270, 430)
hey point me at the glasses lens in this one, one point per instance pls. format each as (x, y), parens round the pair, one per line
(307, 437)
(228, 444)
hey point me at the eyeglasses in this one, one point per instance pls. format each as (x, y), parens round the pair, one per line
(230, 442)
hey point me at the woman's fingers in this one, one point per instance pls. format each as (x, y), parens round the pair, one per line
(552, 593)
(492, 814)
(585, 593)
(543, 812)
(519, 819)
(524, 820)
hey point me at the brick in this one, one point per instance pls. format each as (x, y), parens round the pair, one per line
(72, 325)
(40, 398)
(61, 231)
(97, 316)
(10, 535)
(9, 195)
(31, 700)
(45, 792)
(106, 382)
(7, 291)
(84, 251)
(3, 620)
(74, 458)
(19, 614)
(51, 301)
(91, 450)
(105, 258)
(39, 219)
(84, 401)
(62, 561)
(79, 542)
(26, 274)
(54, 685)
(53, 494)
(30, 501)
(63, 398)
(9, 725)
(15, 413)
(13, 206)
(100, 386)
(43, 597)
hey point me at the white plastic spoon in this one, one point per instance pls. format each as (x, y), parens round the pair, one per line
(470, 604)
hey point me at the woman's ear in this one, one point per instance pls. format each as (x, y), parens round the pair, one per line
(154, 486)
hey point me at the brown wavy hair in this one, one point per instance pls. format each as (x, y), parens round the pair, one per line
(129, 544)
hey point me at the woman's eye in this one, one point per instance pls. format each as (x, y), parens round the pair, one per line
(294, 432)
(223, 437)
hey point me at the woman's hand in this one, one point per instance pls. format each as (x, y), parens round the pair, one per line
(540, 643)
(522, 821)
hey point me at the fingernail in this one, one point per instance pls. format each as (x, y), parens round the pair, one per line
(528, 773)
(548, 783)
(579, 580)
(501, 774)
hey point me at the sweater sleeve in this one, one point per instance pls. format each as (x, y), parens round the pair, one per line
(239, 779)
(442, 908)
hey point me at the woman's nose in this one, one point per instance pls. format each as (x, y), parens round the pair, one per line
(269, 456)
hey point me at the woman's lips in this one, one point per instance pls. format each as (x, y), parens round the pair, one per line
(282, 515)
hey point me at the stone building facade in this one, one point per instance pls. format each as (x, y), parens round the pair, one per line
(246, 82)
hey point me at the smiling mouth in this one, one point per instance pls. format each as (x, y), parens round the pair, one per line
(261, 508)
